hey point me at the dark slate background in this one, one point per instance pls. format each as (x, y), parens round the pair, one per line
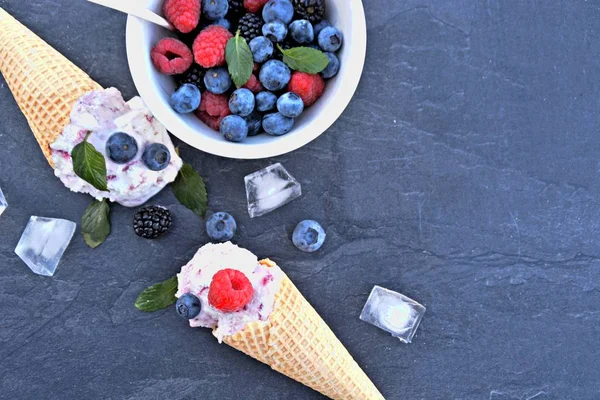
(464, 174)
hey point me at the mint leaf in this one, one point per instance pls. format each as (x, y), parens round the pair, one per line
(89, 164)
(305, 59)
(158, 296)
(239, 60)
(190, 190)
(95, 224)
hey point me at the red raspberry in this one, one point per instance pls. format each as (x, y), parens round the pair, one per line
(253, 84)
(170, 56)
(230, 290)
(254, 6)
(209, 46)
(256, 68)
(308, 86)
(213, 108)
(182, 14)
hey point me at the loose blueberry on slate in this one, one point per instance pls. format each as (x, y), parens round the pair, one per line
(156, 156)
(308, 236)
(121, 148)
(186, 99)
(221, 227)
(188, 306)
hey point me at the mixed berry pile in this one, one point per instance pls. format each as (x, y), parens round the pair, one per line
(277, 91)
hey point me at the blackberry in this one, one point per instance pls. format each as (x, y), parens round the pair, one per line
(152, 221)
(312, 10)
(286, 45)
(194, 75)
(236, 7)
(250, 26)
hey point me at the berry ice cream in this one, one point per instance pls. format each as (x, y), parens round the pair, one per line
(223, 277)
(140, 157)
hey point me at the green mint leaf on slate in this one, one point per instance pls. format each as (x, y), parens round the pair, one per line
(305, 59)
(190, 190)
(239, 60)
(89, 164)
(158, 296)
(95, 224)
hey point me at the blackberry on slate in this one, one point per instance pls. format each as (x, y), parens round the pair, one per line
(312, 10)
(152, 221)
(250, 26)
(194, 75)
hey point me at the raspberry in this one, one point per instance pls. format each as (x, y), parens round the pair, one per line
(308, 86)
(209, 46)
(213, 108)
(182, 14)
(256, 67)
(254, 6)
(170, 56)
(230, 290)
(253, 84)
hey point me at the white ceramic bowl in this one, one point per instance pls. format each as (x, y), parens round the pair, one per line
(156, 89)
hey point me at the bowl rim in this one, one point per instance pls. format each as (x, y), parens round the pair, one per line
(280, 145)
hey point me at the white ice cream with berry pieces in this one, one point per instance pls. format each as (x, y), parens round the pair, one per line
(103, 113)
(195, 278)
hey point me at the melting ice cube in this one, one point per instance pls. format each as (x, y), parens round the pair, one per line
(43, 243)
(3, 203)
(393, 312)
(269, 189)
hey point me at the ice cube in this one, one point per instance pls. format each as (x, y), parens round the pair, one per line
(269, 189)
(393, 312)
(43, 243)
(3, 203)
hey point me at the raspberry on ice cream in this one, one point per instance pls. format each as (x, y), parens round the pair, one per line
(209, 46)
(171, 56)
(230, 290)
(182, 14)
(308, 86)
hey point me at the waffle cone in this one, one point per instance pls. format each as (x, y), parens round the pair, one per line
(44, 83)
(296, 342)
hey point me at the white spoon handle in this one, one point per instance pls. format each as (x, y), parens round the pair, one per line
(129, 7)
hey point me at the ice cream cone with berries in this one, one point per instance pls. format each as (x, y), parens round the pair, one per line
(254, 307)
(64, 107)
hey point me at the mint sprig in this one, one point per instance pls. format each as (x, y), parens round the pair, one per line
(95, 224)
(190, 190)
(304, 59)
(239, 60)
(157, 296)
(89, 164)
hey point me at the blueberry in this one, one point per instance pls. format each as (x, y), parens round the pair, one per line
(217, 80)
(262, 49)
(234, 128)
(186, 99)
(319, 27)
(188, 306)
(308, 236)
(302, 31)
(225, 23)
(215, 9)
(221, 227)
(274, 75)
(241, 102)
(290, 105)
(275, 31)
(254, 122)
(278, 10)
(330, 39)
(121, 147)
(265, 101)
(277, 124)
(156, 156)
(332, 67)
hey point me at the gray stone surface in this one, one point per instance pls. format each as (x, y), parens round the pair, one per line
(464, 174)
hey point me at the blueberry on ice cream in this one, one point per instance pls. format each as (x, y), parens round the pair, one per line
(139, 155)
